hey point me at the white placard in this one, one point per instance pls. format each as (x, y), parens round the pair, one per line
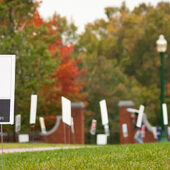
(42, 125)
(124, 130)
(165, 114)
(23, 138)
(101, 139)
(17, 123)
(93, 127)
(104, 113)
(7, 88)
(66, 110)
(33, 109)
(140, 115)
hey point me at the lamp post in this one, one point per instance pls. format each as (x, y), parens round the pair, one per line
(161, 48)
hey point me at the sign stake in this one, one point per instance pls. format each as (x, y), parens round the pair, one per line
(64, 134)
(2, 147)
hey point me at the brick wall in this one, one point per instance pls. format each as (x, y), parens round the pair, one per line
(69, 138)
(125, 118)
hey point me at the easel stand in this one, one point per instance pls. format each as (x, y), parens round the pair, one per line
(32, 133)
(69, 135)
(64, 134)
(2, 147)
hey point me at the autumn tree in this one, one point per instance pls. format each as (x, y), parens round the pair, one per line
(66, 77)
(44, 64)
(121, 59)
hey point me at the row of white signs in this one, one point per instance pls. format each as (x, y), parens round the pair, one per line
(66, 114)
(7, 88)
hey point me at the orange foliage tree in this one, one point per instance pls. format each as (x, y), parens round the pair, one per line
(65, 78)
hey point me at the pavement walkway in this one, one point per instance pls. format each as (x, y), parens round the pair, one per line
(14, 150)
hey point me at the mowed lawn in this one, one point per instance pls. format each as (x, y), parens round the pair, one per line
(144, 156)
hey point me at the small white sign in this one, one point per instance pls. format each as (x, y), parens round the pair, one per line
(66, 110)
(124, 130)
(7, 88)
(42, 125)
(165, 114)
(101, 139)
(17, 123)
(33, 109)
(140, 115)
(23, 138)
(104, 113)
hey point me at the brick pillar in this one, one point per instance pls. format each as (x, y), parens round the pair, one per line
(77, 112)
(125, 118)
(78, 116)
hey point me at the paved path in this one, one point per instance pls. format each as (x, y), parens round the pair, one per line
(41, 149)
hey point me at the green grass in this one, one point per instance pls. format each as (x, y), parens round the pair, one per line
(145, 156)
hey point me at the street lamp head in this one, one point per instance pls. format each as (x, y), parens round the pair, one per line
(161, 44)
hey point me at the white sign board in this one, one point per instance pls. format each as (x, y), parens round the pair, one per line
(101, 139)
(7, 88)
(17, 123)
(23, 138)
(165, 114)
(66, 110)
(33, 109)
(140, 115)
(104, 113)
(124, 130)
(42, 125)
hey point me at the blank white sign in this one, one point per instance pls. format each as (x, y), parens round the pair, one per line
(5, 77)
(23, 138)
(33, 109)
(165, 114)
(140, 115)
(66, 110)
(101, 139)
(104, 113)
(7, 83)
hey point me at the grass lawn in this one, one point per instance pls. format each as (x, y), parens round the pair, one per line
(145, 156)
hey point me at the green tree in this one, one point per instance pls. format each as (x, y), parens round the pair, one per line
(34, 64)
(121, 59)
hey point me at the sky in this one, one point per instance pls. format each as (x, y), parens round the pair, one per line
(82, 12)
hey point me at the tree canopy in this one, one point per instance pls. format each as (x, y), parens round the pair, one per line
(113, 59)
(121, 60)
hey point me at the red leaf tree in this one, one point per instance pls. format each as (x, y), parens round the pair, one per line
(66, 76)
